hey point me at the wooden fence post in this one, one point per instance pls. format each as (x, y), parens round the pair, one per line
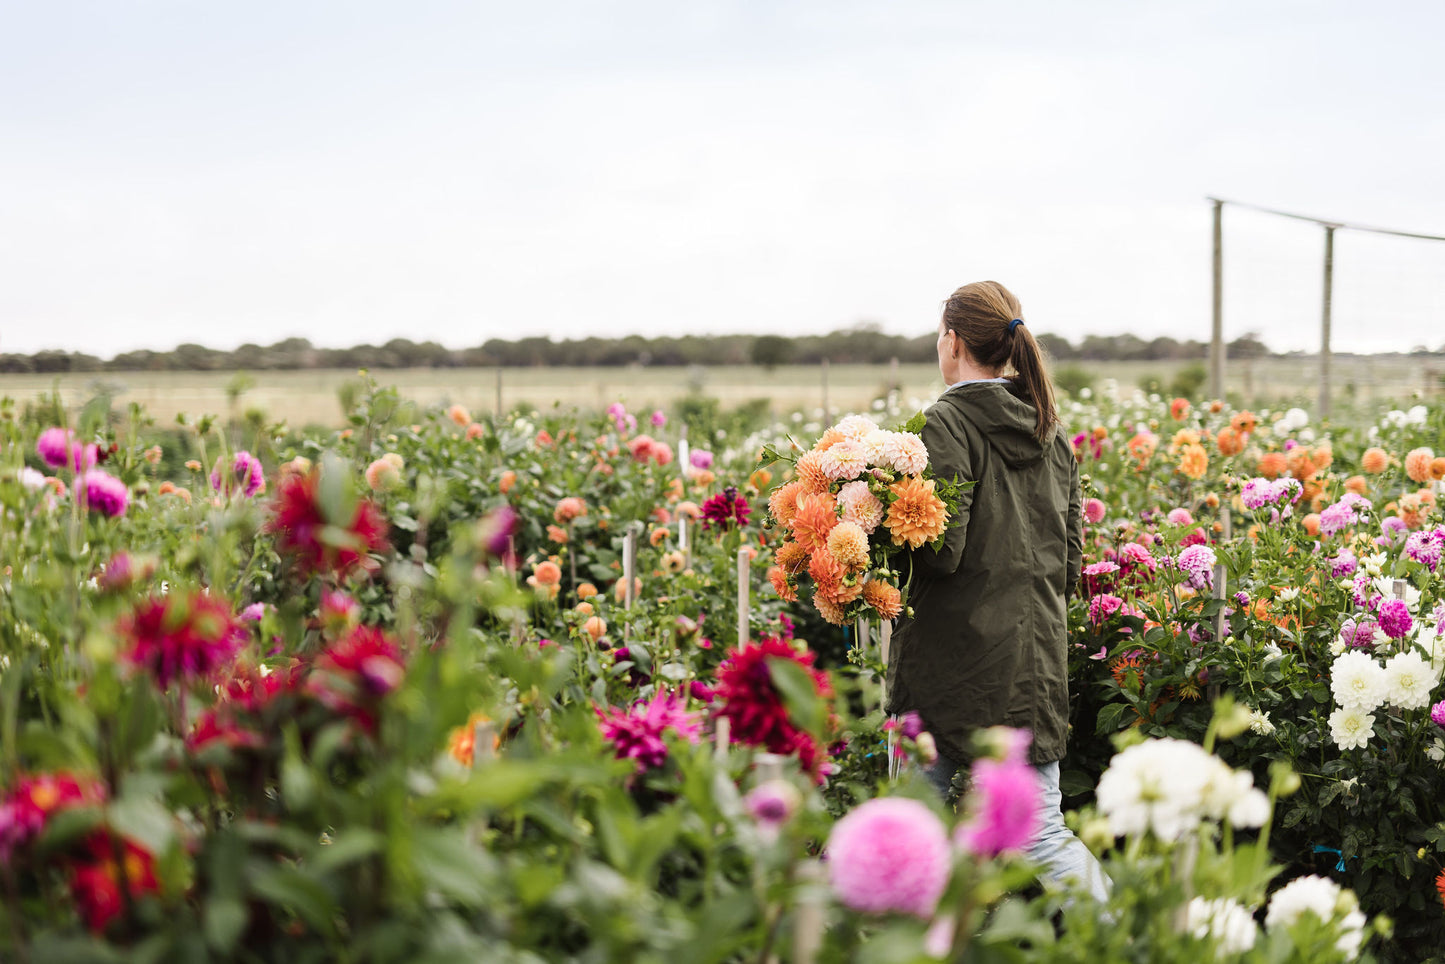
(743, 563)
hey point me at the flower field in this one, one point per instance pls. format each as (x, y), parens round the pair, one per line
(577, 686)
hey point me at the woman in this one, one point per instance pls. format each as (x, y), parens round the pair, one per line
(986, 644)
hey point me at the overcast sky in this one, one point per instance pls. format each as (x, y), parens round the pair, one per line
(224, 172)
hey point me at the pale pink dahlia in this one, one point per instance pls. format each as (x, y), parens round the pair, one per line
(844, 460)
(860, 506)
(1094, 510)
(891, 854)
(906, 453)
(855, 426)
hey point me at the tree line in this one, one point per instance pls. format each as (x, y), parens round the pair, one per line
(860, 344)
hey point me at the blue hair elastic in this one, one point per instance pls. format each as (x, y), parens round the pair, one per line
(1014, 324)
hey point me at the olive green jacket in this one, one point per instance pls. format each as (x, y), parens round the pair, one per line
(986, 643)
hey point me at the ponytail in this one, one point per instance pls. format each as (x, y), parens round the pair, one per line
(1031, 376)
(988, 318)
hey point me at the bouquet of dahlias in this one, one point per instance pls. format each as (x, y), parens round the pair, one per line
(857, 498)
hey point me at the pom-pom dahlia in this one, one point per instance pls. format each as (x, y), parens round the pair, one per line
(102, 492)
(848, 545)
(889, 855)
(905, 453)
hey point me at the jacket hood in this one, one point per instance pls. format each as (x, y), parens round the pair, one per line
(1006, 420)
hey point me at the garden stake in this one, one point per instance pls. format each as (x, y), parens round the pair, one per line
(808, 925)
(721, 735)
(743, 561)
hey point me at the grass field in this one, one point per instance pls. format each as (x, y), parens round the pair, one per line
(310, 397)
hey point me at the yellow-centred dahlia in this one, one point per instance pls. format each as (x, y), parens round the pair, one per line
(816, 516)
(783, 503)
(849, 546)
(883, 597)
(917, 516)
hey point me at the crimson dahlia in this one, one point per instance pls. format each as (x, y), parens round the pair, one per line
(754, 706)
(181, 636)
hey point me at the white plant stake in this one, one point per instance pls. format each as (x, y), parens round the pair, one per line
(743, 562)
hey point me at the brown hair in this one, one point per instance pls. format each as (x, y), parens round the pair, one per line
(981, 314)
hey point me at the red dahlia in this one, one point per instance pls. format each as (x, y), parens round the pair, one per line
(95, 880)
(318, 543)
(754, 707)
(354, 674)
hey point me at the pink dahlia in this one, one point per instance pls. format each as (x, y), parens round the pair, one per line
(1004, 804)
(1425, 547)
(34, 799)
(1395, 618)
(1437, 713)
(636, 733)
(58, 447)
(1197, 562)
(1099, 577)
(771, 805)
(102, 492)
(246, 476)
(1094, 510)
(860, 506)
(889, 855)
(181, 636)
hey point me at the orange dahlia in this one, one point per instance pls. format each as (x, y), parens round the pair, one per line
(849, 545)
(1324, 456)
(816, 516)
(1356, 484)
(1243, 422)
(791, 557)
(1193, 461)
(1440, 886)
(783, 503)
(779, 579)
(1183, 438)
(917, 515)
(1179, 409)
(1273, 464)
(1437, 468)
(1374, 461)
(829, 578)
(1142, 445)
(810, 472)
(1229, 442)
(829, 439)
(830, 611)
(1417, 464)
(883, 597)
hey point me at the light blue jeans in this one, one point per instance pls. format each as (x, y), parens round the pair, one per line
(1063, 856)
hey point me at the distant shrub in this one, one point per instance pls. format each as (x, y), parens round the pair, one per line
(1073, 379)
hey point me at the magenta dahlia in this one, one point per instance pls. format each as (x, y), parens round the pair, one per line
(181, 636)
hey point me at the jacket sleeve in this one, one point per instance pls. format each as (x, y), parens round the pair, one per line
(949, 457)
(1074, 530)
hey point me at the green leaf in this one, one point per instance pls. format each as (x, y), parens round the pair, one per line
(916, 423)
(294, 890)
(347, 847)
(452, 866)
(799, 692)
(225, 921)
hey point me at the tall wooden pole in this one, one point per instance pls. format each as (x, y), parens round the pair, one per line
(1325, 320)
(827, 409)
(1216, 338)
